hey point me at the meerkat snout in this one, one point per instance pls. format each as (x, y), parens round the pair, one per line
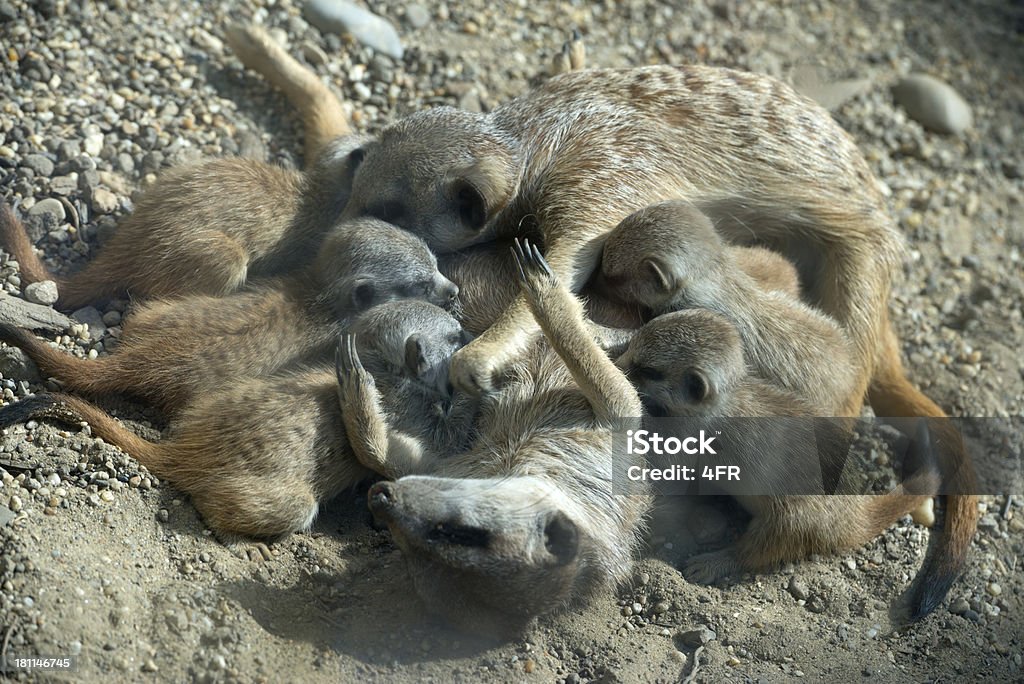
(682, 362)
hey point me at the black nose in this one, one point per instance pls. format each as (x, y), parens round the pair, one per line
(381, 498)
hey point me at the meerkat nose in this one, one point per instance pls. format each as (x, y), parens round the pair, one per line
(381, 498)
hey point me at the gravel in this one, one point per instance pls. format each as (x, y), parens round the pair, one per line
(110, 94)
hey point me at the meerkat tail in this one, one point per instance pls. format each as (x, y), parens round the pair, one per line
(15, 241)
(323, 117)
(892, 395)
(77, 375)
(72, 410)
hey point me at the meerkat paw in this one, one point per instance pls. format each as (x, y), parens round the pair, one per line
(572, 57)
(245, 548)
(712, 568)
(473, 370)
(535, 275)
(353, 379)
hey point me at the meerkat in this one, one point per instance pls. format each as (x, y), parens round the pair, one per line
(669, 256)
(210, 227)
(524, 521)
(691, 363)
(259, 455)
(570, 159)
(175, 349)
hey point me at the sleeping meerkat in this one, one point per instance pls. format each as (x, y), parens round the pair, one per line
(176, 349)
(570, 159)
(524, 521)
(668, 257)
(259, 455)
(692, 363)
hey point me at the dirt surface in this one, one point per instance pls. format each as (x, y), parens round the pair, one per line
(103, 562)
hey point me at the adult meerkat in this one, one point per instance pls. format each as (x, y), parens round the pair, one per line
(668, 257)
(210, 227)
(175, 349)
(524, 521)
(692, 363)
(259, 455)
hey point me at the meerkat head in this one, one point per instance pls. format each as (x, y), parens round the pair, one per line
(661, 257)
(684, 363)
(486, 554)
(442, 174)
(365, 262)
(410, 339)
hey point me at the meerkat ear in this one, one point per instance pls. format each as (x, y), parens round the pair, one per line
(481, 190)
(662, 275)
(336, 167)
(363, 294)
(415, 358)
(696, 386)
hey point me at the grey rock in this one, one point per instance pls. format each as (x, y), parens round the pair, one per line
(933, 104)
(44, 292)
(63, 185)
(798, 589)
(124, 163)
(340, 16)
(152, 161)
(16, 365)
(50, 206)
(6, 514)
(697, 637)
(814, 82)
(471, 101)
(7, 12)
(88, 181)
(417, 16)
(112, 318)
(38, 163)
(314, 54)
(91, 316)
(31, 316)
(103, 201)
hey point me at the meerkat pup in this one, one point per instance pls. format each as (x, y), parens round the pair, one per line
(259, 455)
(176, 349)
(692, 363)
(523, 521)
(668, 257)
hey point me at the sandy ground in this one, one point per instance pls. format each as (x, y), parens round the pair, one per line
(101, 561)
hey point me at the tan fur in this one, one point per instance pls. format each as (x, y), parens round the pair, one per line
(668, 257)
(524, 520)
(691, 364)
(746, 148)
(176, 349)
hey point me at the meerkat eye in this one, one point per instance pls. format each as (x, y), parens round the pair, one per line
(388, 211)
(696, 386)
(471, 206)
(648, 373)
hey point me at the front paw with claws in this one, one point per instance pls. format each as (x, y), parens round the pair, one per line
(352, 377)
(535, 275)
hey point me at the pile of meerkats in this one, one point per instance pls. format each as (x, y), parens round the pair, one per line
(407, 307)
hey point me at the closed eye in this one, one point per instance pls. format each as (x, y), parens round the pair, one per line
(648, 373)
(388, 211)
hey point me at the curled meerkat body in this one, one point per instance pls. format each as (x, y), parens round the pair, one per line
(205, 228)
(524, 520)
(176, 349)
(668, 257)
(259, 455)
(691, 363)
